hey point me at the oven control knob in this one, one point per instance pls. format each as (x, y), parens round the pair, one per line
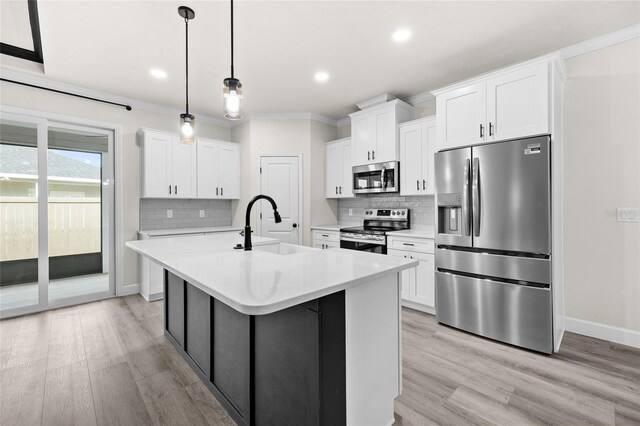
(393, 213)
(403, 213)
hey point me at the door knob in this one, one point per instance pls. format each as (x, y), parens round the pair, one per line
(295, 225)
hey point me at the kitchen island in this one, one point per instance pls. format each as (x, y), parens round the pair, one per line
(285, 334)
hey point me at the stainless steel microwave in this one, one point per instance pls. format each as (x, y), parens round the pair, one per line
(376, 178)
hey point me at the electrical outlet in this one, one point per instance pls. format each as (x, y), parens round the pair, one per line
(350, 212)
(201, 213)
(169, 214)
(627, 214)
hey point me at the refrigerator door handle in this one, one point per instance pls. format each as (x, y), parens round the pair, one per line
(465, 200)
(476, 197)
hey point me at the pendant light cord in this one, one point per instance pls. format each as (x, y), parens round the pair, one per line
(231, 38)
(186, 27)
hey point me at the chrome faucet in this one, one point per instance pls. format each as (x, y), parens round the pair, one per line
(247, 224)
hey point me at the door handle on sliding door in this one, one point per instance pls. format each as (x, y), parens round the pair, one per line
(476, 197)
(465, 200)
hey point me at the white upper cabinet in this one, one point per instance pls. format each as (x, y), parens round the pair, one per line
(168, 166)
(229, 171)
(374, 132)
(505, 104)
(218, 169)
(208, 173)
(183, 174)
(417, 147)
(338, 169)
(462, 116)
(518, 103)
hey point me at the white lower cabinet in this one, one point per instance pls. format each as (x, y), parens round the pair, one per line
(418, 284)
(323, 239)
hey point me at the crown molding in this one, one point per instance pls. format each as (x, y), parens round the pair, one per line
(134, 103)
(344, 122)
(419, 98)
(605, 40)
(291, 116)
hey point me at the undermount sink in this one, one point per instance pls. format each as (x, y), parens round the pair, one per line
(283, 249)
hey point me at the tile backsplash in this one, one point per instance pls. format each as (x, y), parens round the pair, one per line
(186, 213)
(422, 210)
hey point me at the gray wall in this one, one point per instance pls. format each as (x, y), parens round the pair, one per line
(422, 207)
(186, 213)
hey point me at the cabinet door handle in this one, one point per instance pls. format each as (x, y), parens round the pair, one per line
(481, 131)
(169, 189)
(336, 189)
(216, 191)
(490, 129)
(368, 155)
(373, 155)
(424, 184)
(418, 184)
(407, 244)
(340, 190)
(176, 189)
(325, 235)
(221, 190)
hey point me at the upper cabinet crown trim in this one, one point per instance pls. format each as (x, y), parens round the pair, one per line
(393, 103)
(431, 118)
(554, 58)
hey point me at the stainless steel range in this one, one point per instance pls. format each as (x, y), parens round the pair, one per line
(372, 236)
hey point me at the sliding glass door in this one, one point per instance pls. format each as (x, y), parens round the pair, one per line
(56, 214)
(22, 141)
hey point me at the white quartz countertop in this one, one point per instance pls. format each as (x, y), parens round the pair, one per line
(335, 226)
(260, 282)
(181, 231)
(428, 233)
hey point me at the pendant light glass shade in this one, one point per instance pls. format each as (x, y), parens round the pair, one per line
(232, 96)
(187, 121)
(187, 128)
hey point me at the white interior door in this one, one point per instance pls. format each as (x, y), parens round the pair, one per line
(280, 179)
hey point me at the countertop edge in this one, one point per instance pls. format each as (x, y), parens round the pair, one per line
(284, 304)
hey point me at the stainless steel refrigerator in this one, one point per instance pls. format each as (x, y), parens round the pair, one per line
(493, 241)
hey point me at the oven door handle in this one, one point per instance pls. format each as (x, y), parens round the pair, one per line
(355, 240)
(383, 176)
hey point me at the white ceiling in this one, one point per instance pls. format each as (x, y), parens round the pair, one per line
(111, 45)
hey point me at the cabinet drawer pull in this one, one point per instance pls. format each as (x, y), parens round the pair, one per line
(407, 244)
(325, 235)
(424, 183)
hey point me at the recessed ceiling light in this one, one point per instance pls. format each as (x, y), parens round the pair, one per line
(158, 73)
(321, 76)
(401, 35)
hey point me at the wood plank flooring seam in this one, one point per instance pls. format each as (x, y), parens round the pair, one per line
(93, 397)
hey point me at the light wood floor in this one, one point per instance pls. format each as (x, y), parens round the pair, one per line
(108, 363)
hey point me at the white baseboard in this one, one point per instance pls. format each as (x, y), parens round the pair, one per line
(128, 290)
(605, 332)
(419, 307)
(153, 297)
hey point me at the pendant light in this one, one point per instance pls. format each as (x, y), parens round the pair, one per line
(232, 91)
(187, 121)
